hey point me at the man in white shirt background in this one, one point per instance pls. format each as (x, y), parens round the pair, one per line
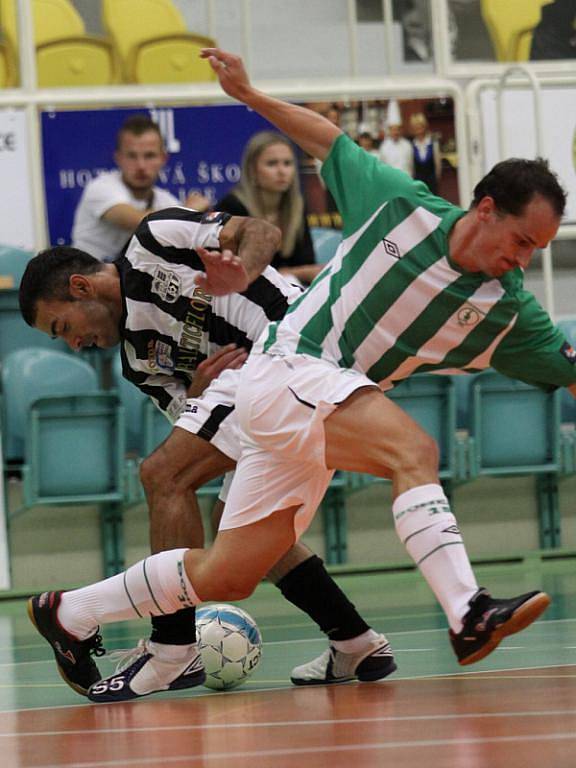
(395, 150)
(113, 204)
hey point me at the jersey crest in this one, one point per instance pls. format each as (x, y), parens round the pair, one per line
(166, 284)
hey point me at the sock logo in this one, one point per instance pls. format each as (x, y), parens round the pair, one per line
(451, 529)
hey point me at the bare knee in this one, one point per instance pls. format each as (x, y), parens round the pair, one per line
(157, 472)
(418, 457)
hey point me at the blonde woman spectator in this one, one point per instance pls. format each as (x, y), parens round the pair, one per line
(427, 161)
(269, 189)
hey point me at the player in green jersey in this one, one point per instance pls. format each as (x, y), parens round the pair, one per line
(418, 284)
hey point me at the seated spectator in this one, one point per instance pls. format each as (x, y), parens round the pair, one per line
(269, 189)
(113, 204)
(366, 141)
(427, 160)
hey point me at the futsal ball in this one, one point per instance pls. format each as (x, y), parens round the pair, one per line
(230, 645)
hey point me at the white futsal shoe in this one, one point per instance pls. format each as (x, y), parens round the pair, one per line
(147, 669)
(334, 666)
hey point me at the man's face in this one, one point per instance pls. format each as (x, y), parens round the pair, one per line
(505, 241)
(140, 159)
(80, 322)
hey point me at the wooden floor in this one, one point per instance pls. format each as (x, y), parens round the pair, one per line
(516, 709)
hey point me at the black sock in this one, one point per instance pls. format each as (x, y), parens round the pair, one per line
(310, 588)
(175, 628)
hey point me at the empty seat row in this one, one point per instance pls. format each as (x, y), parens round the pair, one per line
(146, 42)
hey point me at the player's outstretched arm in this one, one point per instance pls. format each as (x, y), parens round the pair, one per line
(314, 133)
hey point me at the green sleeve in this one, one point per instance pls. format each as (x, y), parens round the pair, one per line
(360, 183)
(535, 351)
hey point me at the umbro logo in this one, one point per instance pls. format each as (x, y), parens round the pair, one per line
(384, 651)
(451, 529)
(194, 666)
(391, 248)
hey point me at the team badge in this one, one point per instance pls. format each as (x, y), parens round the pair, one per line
(468, 315)
(166, 284)
(569, 352)
(214, 217)
(160, 356)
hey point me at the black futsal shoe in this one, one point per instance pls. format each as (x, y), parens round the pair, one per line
(73, 657)
(490, 620)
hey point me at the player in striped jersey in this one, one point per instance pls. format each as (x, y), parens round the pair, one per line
(174, 322)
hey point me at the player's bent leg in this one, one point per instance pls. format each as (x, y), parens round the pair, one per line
(240, 557)
(230, 570)
(170, 476)
(424, 521)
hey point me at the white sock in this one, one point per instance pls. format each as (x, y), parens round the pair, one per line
(356, 644)
(428, 529)
(175, 653)
(153, 587)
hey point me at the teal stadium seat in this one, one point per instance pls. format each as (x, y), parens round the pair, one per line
(14, 332)
(515, 430)
(568, 404)
(31, 373)
(431, 401)
(67, 438)
(325, 242)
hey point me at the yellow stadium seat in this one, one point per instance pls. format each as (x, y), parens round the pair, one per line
(65, 54)
(7, 66)
(153, 43)
(510, 24)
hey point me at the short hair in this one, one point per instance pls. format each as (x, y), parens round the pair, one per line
(137, 125)
(513, 183)
(47, 277)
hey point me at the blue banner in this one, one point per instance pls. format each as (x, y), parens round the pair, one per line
(204, 143)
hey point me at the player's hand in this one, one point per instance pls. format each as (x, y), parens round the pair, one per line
(225, 273)
(197, 201)
(229, 70)
(230, 356)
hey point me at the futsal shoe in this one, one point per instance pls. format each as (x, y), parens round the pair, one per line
(334, 666)
(490, 620)
(142, 672)
(73, 657)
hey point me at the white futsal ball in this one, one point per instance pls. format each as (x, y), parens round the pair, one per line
(230, 644)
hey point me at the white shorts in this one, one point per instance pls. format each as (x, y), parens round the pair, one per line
(212, 416)
(281, 406)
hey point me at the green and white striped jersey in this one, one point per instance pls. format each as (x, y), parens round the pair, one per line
(391, 303)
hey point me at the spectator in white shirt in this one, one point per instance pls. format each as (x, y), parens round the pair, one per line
(113, 204)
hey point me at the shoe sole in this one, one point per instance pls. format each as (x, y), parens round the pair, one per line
(527, 613)
(61, 672)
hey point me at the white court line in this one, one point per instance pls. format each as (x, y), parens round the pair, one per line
(296, 723)
(290, 688)
(387, 745)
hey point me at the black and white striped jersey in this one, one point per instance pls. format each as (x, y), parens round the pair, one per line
(169, 325)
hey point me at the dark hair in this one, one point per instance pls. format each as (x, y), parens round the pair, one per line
(513, 183)
(47, 277)
(137, 125)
